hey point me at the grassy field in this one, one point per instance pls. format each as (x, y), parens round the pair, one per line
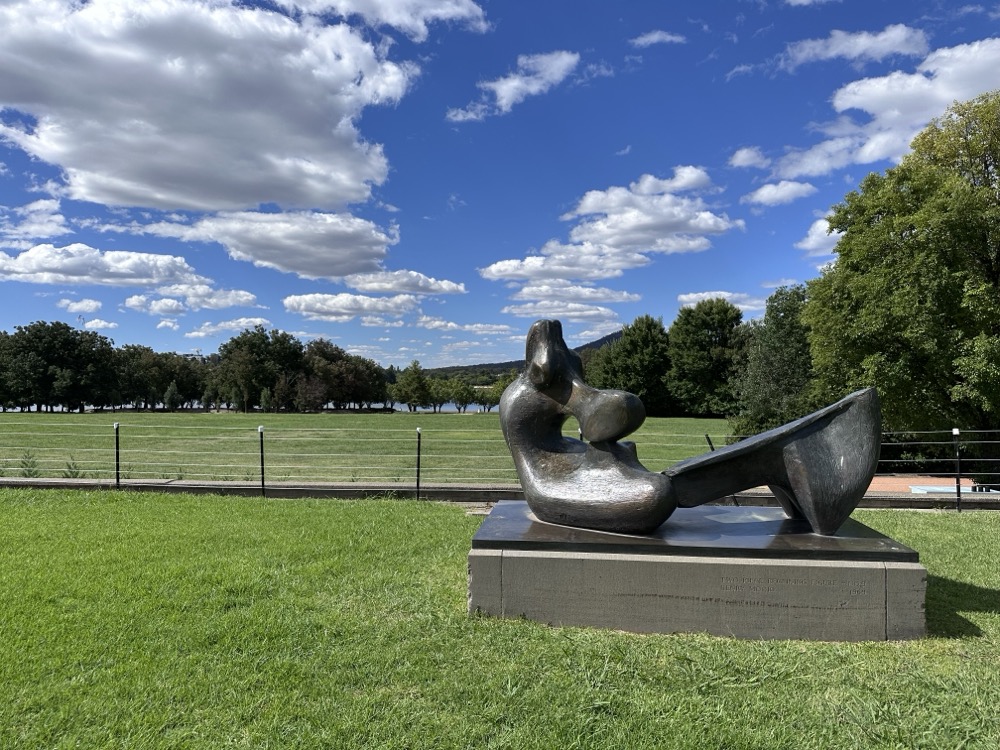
(344, 447)
(139, 620)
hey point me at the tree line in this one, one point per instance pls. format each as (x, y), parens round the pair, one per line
(46, 366)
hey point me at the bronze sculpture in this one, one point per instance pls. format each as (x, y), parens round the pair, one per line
(818, 467)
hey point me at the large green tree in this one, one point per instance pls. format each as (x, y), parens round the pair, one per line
(637, 362)
(461, 393)
(911, 304)
(53, 364)
(412, 388)
(705, 345)
(257, 359)
(773, 384)
(141, 375)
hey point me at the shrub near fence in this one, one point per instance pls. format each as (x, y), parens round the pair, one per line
(320, 448)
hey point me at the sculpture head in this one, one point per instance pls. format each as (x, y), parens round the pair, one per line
(556, 372)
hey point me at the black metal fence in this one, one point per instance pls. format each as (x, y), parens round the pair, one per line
(444, 451)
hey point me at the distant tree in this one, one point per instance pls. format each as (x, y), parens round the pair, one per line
(637, 363)
(489, 397)
(141, 376)
(37, 363)
(323, 361)
(440, 392)
(392, 395)
(96, 377)
(310, 394)
(53, 364)
(371, 382)
(705, 343)
(210, 398)
(25, 370)
(285, 364)
(265, 400)
(172, 397)
(5, 398)
(283, 393)
(348, 378)
(774, 384)
(254, 360)
(462, 394)
(189, 373)
(412, 387)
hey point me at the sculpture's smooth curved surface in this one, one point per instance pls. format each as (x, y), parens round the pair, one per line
(818, 467)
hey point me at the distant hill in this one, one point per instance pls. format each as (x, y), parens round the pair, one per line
(487, 373)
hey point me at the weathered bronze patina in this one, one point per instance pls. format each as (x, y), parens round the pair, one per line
(818, 467)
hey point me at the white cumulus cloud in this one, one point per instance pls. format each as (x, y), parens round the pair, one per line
(402, 281)
(183, 104)
(99, 325)
(226, 326)
(312, 244)
(81, 264)
(206, 297)
(617, 228)
(163, 306)
(340, 308)
(744, 302)
(35, 221)
(819, 240)
(583, 261)
(776, 194)
(566, 292)
(79, 306)
(483, 329)
(750, 156)
(893, 108)
(569, 311)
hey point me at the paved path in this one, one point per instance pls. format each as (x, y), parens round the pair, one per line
(902, 484)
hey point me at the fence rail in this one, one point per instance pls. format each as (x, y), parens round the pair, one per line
(437, 452)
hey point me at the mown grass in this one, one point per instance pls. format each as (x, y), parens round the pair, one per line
(343, 447)
(159, 621)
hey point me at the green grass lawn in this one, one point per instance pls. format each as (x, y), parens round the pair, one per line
(140, 620)
(344, 447)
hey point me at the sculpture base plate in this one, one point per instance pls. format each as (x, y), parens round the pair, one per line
(742, 572)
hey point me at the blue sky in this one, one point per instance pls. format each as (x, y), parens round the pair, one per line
(421, 179)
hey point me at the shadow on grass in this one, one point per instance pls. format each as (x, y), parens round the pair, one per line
(947, 598)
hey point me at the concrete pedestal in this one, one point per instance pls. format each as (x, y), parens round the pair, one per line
(740, 572)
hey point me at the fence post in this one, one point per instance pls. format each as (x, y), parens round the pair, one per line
(263, 489)
(958, 470)
(418, 464)
(118, 460)
(709, 441)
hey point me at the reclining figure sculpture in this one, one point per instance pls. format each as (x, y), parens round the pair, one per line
(818, 467)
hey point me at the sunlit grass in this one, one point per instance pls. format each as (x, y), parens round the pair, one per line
(159, 621)
(344, 447)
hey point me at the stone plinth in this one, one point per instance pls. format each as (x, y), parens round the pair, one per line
(743, 572)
